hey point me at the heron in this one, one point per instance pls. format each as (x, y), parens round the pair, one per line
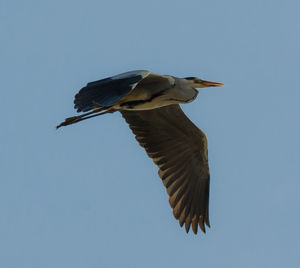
(150, 104)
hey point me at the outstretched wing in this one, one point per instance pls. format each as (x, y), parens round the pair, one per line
(108, 91)
(179, 149)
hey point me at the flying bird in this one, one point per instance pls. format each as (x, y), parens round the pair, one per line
(150, 105)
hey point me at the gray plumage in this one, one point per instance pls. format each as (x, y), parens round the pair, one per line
(150, 105)
(107, 92)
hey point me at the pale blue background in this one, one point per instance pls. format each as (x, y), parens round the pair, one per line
(87, 195)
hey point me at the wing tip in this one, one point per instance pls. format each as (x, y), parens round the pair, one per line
(200, 221)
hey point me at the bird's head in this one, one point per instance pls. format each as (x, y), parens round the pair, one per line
(195, 82)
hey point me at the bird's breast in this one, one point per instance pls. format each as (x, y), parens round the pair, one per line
(148, 99)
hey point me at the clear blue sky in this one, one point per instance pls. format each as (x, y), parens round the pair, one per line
(88, 195)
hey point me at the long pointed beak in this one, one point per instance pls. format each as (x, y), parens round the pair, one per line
(211, 84)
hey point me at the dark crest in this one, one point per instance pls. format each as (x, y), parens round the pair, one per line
(189, 78)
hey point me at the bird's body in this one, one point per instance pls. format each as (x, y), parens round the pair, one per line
(150, 105)
(157, 91)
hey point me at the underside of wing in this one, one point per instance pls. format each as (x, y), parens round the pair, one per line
(108, 91)
(179, 149)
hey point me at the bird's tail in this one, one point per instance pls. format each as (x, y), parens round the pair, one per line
(76, 119)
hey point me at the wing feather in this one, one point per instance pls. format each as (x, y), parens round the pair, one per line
(179, 149)
(106, 92)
